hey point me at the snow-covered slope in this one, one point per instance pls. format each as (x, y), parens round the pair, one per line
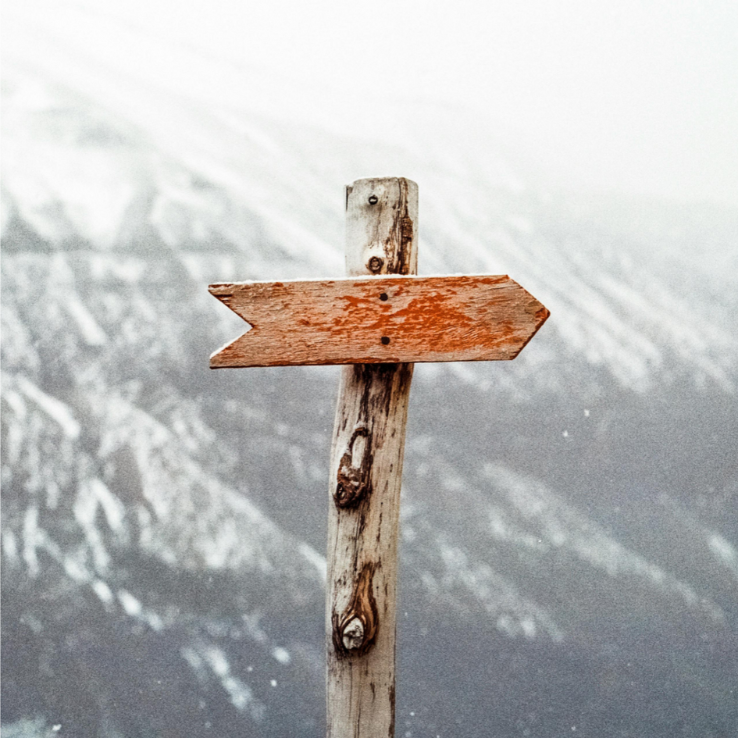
(569, 519)
(261, 188)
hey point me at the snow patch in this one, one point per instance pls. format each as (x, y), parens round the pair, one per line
(104, 592)
(31, 540)
(91, 332)
(314, 558)
(130, 604)
(238, 691)
(282, 655)
(724, 552)
(55, 409)
(560, 526)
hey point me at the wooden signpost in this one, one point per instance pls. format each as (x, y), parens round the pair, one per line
(379, 322)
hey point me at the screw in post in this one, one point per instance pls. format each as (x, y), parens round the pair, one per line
(373, 199)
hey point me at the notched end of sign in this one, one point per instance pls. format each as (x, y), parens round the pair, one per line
(222, 290)
(226, 292)
(222, 357)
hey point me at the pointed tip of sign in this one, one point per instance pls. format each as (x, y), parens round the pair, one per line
(542, 314)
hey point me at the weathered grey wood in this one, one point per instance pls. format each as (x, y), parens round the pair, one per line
(379, 320)
(366, 474)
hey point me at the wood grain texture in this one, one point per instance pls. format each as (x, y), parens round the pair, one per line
(366, 474)
(379, 320)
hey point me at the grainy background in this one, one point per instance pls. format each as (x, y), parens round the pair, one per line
(568, 562)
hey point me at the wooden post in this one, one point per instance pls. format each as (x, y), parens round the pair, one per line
(375, 322)
(366, 476)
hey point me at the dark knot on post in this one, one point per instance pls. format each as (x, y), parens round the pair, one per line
(353, 478)
(355, 631)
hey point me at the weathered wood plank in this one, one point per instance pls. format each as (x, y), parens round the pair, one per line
(379, 320)
(366, 474)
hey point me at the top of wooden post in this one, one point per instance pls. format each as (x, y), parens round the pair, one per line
(381, 227)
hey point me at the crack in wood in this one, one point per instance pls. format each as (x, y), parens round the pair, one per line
(398, 244)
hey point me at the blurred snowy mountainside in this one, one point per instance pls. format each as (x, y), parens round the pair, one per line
(570, 513)
(207, 174)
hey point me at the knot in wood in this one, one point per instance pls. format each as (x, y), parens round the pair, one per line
(352, 483)
(353, 634)
(375, 264)
(355, 631)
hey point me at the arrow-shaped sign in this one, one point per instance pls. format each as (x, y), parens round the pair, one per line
(378, 320)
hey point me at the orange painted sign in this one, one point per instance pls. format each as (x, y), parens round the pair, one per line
(378, 320)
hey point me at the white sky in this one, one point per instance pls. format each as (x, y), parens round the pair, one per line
(634, 95)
